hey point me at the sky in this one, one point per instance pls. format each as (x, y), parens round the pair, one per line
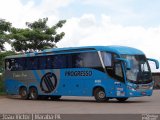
(133, 23)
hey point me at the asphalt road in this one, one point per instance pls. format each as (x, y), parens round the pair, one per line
(82, 105)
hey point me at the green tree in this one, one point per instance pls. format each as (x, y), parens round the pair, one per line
(4, 28)
(36, 36)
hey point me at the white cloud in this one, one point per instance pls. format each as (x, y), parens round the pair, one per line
(87, 21)
(18, 13)
(128, 12)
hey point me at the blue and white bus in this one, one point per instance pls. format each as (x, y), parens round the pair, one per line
(105, 72)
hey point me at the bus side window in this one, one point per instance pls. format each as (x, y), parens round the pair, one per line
(118, 70)
(107, 59)
(13, 65)
(19, 64)
(50, 62)
(78, 60)
(69, 60)
(88, 59)
(113, 67)
(75, 60)
(32, 63)
(60, 61)
(8, 65)
(91, 60)
(42, 62)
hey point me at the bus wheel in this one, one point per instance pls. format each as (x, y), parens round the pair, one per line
(23, 93)
(57, 97)
(33, 93)
(121, 99)
(100, 95)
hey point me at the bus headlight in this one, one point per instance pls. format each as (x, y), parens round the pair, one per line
(151, 87)
(131, 88)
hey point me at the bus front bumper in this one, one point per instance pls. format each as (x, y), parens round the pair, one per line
(139, 93)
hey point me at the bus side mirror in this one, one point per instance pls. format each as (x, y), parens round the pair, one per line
(127, 62)
(155, 61)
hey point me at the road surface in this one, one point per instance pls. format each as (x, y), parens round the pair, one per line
(82, 105)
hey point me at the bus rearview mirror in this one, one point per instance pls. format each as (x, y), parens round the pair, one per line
(155, 61)
(127, 62)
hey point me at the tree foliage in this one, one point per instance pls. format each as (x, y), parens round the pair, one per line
(36, 36)
(4, 28)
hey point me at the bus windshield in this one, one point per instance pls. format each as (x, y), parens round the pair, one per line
(140, 72)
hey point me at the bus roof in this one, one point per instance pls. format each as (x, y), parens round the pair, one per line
(115, 49)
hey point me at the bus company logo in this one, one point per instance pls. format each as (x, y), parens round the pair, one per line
(48, 82)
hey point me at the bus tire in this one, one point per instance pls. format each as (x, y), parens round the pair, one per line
(121, 99)
(33, 93)
(100, 95)
(23, 93)
(57, 97)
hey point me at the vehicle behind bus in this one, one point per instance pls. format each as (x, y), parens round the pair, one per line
(105, 72)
